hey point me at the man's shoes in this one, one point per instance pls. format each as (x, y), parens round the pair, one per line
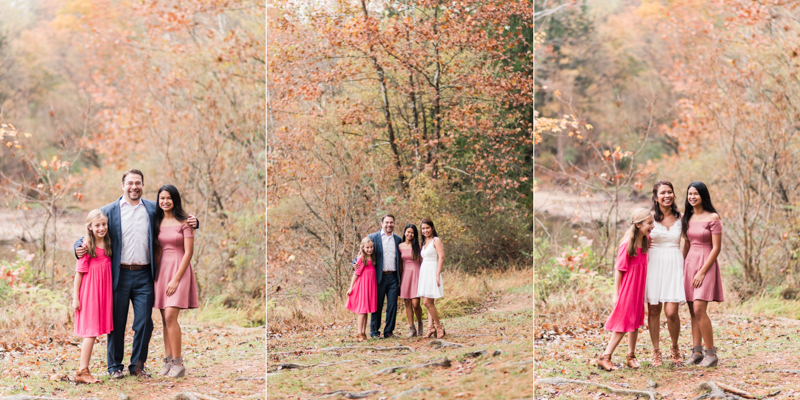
(140, 372)
(388, 335)
(116, 375)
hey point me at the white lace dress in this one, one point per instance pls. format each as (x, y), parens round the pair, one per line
(665, 266)
(427, 273)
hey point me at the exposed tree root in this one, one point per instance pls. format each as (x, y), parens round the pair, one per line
(398, 348)
(191, 396)
(786, 371)
(735, 391)
(257, 378)
(350, 395)
(475, 354)
(411, 391)
(283, 366)
(717, 391)
(438, 343)
(435, 363)
(559, 381)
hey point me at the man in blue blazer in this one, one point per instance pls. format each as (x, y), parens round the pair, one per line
(131, 224)
(388, 273)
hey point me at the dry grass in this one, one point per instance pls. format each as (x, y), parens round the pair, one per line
(463, 292)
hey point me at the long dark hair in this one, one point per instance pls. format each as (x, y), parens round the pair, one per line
(658, 215)
(688, 210)
(427, 221)
(414, 242)
(177, 206)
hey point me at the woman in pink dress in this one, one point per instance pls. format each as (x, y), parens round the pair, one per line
(175, 286)
(702, 230)
(630, 281)
(410, 254)
(362, 297)
(92, 299)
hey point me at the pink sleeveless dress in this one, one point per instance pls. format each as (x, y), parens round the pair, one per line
(628, 314)
(408, 287)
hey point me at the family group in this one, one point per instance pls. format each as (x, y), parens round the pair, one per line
(387, 266)
(667, 258)
(137, 252)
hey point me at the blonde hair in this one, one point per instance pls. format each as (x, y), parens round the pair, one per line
(90, 238)
(362, 255)
(638, 216)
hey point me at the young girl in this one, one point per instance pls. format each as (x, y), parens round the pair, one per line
(175, 285)
(702, 282)
(92, 298)
(362, 297)
(630, 280)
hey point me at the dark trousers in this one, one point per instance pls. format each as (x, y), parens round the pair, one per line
(133, 287)
(389, 288)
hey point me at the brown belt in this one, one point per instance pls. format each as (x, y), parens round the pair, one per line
(389, 272)
(133, 267)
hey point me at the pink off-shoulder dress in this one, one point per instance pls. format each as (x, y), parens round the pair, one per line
(699, 234)
(171, 240)
(364, 297)
(96, 296)
(628, 314)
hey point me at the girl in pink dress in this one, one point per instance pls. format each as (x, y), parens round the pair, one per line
(362, 297)
(92, 296)
(175, 286)
(410, 254)
(702, 230)
(630, 281)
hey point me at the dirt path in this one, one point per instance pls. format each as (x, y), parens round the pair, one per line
(748, 347)
(222, 362)
(505, 371)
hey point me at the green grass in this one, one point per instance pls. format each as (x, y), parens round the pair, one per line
(772, 305)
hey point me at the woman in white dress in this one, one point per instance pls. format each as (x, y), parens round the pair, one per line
(665, 271)
(430, 276)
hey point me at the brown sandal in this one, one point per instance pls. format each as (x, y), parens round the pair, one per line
(361, 337)
(676, 359)
(604, 363)
(656, 358)
(431, 332)
(84, 376)
(440, 331)
(631, 361)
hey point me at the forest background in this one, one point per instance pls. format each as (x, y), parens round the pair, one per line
(421, 109)
(630, 92)
(92, 88)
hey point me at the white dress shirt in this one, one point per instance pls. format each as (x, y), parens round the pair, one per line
(135, 233)
(387, 240)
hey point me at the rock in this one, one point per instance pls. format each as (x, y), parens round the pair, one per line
(497, 352)
(651, 384)
(474, 354)
(123, 396)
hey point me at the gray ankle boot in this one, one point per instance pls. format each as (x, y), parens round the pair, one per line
(167, 365)
(710, 360)
(697, 355)
(177, 370)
